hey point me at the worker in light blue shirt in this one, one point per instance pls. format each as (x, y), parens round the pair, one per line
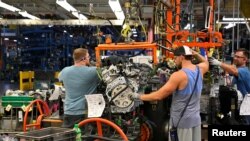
(239, 70)
(78, 80)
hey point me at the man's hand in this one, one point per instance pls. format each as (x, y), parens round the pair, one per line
(135, 96)
(214, 61)
(194, 52)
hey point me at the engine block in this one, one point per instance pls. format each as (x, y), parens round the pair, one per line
(121, 81)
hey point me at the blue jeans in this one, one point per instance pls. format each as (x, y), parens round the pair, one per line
(247, 119)
(70, 120)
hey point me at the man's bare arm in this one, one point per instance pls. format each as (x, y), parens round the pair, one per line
(231, 69)
(204, 64)
(165, 90)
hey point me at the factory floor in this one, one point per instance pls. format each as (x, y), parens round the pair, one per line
(5, 85)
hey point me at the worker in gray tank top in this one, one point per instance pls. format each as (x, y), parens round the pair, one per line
(181, 85)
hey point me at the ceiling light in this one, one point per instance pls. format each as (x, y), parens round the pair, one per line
(228, 22)
(64, 4)
(188, 26)
(235, 19)
(14, 9)
(117, 9)
(79, 16)
(230, 25)
(9, 7)
(25, 14)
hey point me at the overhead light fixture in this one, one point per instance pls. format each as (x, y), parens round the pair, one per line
(188, 26)
(117, 9)
(50, 25)
(230, 25)
(228, 22)
(14, 9)
(64, 4)
(79, 16)
(26, 14)
(235, 19)
(9, 7)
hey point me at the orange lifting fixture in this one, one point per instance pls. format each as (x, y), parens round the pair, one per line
(126, 46)
(214, 38)
(43, 110)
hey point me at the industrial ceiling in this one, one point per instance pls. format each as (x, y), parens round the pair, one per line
(48, 9)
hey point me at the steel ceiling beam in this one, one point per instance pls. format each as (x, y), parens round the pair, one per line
(63, 22)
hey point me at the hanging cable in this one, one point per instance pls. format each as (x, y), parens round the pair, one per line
(139, 15)
(238, 25)
(218, 11)
(232, 53)
(188, 6)
(143, 28)
(99, 17)
(204, 9)
(191, 16)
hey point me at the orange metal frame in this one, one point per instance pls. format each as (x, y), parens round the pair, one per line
(99, 122)
(215, 38)
(43, 112)
(126, 46)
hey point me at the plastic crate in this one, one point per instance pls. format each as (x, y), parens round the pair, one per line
(16, 101)
(48, 134)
